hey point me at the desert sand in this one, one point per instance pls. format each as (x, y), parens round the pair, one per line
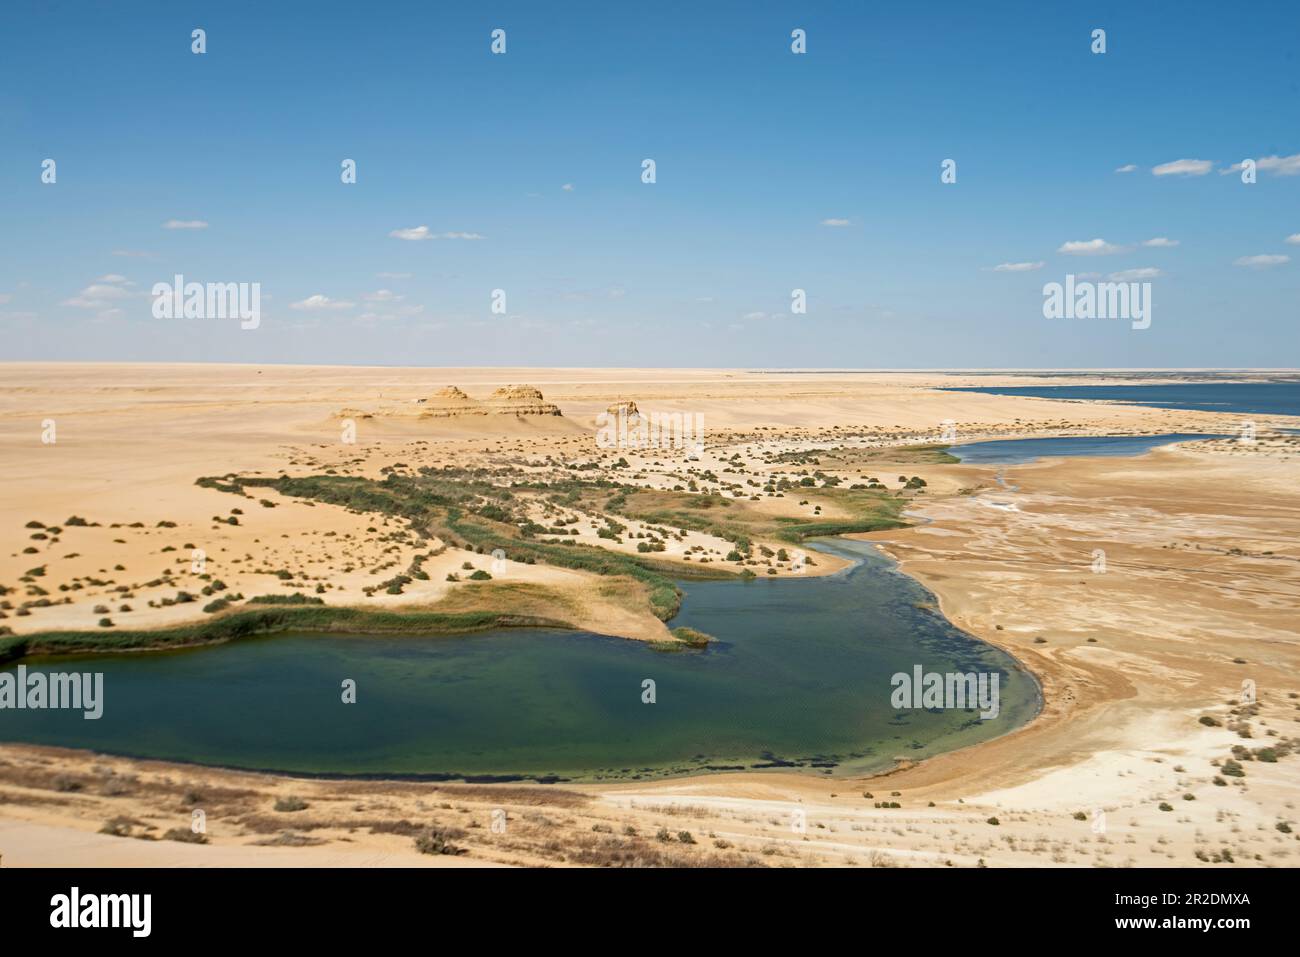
(1143, 661)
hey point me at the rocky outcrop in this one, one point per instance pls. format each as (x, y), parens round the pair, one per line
(520, 400)
(451, 393)
(450, 402)
(625, 408)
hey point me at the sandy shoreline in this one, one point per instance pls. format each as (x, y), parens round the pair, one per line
(1201, 573)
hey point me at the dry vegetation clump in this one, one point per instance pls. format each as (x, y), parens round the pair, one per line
(533, 796)
(438, 840)
(290, 839)
(602, 850)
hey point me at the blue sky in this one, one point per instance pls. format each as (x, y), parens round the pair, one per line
(756, 150)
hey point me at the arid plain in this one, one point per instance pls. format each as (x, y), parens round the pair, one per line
(1142, 666)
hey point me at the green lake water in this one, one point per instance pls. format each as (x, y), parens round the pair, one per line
(800, 676)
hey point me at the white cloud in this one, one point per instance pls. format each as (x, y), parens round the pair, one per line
(754, 315)
(1277, 165)
(185, 224)
(114, 277)
(1127, 168)
(1090, 247)
(1160, 242)
(319, 302)
(836, 222)
(1183, 167)
(99, 295)
(4, 298)
(417, 233)
(1281, 165)
(382, 295)
(1262, 260)
(567, 187)
(412, 233)
(1135, 275)
(1017, 267)
(1294, 239)
(102, 290)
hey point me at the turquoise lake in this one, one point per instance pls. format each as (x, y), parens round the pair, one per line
(800, 676)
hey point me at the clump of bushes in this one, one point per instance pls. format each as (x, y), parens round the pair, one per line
(689, 636)
(185, 835)
(438, 840)
(297, 598)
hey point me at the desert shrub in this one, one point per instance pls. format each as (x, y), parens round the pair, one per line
(438, 840)
(185, 835)
(297, 598)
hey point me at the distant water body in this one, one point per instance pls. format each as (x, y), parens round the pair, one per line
(1016, 451)
(1250, 398)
